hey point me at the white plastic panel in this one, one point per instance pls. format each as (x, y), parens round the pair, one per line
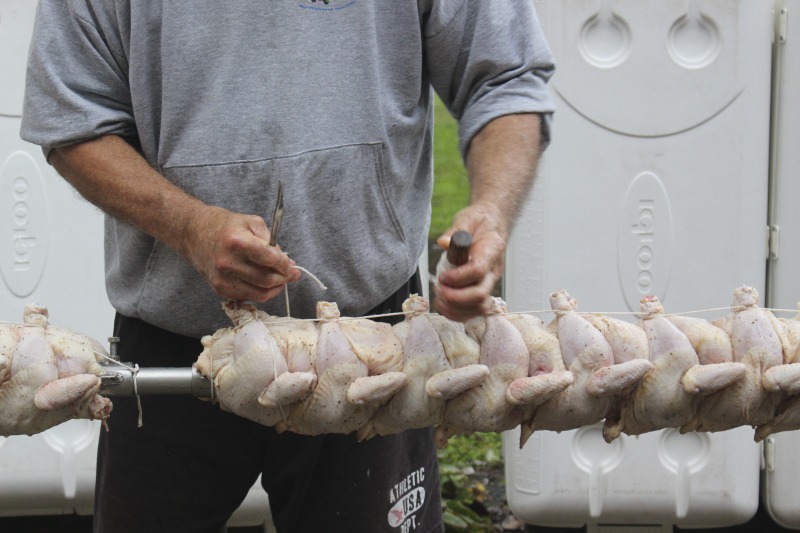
(16, 23)
(51, 247)
(50, 473)
(51, 252)
(54, 473)
(656, 182)
(684, 48)
(785, 265)
(783, 466)
(576, 478)
(779, 478)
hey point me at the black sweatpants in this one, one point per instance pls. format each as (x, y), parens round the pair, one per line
(191, 465)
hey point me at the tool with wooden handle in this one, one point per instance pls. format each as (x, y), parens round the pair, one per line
(457, 252)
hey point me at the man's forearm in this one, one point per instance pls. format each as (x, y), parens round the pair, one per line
(501, 163)
(230, 250)
(108, 172)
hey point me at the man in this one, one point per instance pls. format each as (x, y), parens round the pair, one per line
(179, 118)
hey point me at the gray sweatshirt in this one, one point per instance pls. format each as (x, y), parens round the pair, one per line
(334, 99)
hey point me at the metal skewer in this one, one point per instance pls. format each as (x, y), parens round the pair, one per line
(118, 381)
(277, 216)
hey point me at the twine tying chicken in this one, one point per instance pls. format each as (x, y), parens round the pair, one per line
(134, 369)
(536, 404)
(493, 373)
(286, 287)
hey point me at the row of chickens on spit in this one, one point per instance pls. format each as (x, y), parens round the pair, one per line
(493, 373)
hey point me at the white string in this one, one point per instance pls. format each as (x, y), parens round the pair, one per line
(289, 319)
(134, 371)
(18, 324)
(112, 360)
(211, 379)
(630, 313)
(638, 314)
(315, 278)
(275, 373)
(286, 288)
(733, 308)
(136, 393)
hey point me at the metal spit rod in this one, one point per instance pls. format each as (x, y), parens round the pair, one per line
(118, 381)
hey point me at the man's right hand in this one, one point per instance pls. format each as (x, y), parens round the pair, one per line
(232, 252)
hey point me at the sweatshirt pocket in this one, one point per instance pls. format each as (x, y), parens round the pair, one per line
(339, 223)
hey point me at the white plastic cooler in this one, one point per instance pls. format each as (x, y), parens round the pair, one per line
(51, 252)
(656, 183)
(781, 461)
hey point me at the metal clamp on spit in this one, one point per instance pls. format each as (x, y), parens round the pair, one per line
(119, 380)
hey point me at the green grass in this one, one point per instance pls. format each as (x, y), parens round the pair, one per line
(474, 449)
(450, 183)
(461, 491)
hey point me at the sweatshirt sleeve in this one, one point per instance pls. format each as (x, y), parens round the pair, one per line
(486, 59)
(76, 86)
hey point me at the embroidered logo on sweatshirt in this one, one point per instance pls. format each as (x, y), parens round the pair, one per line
(327, 5)
(406, 498)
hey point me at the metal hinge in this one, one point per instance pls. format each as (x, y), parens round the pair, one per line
(768, 454)
(774, 242)
(782, 25)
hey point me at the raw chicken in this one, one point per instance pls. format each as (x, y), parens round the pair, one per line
(589, 355)
(627, 340)
(668, 395)
(248, 368)
(785, 381)
(791, 338)
(786, 418)
(786, 377)
(497, 404)
(297, 340)
(717, 369)
(48, 375)
(432, 380)
(546, 363)
(757, 345)
(347, 393)
(343, 375)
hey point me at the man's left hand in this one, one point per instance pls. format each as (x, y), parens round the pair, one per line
(465, 291)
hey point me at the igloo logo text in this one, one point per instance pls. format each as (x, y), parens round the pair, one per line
(644, 240)
(23, 226)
